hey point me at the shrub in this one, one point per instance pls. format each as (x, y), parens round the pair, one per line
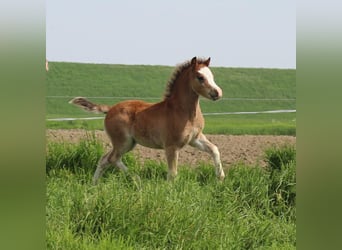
(74, 156)
(276, 157)
(282, 187)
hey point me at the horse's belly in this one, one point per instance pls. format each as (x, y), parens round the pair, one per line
(149, 132)
(150, 143)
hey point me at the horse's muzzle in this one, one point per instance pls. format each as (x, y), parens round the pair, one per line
(215, 94)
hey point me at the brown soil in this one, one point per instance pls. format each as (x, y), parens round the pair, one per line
(247, 149)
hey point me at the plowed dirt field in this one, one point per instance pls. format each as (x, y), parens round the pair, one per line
(234, 149)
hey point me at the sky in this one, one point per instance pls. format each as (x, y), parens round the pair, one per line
(249, 34)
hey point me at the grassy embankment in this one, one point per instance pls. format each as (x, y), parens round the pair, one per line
(266, 89)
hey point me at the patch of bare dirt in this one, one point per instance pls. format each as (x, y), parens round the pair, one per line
(247, 149)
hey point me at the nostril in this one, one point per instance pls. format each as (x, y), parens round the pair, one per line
(214, 94)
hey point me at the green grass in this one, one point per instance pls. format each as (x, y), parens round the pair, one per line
(254, 208)
(67, 80)
(258, 124)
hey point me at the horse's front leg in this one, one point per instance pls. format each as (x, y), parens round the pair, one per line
(172, 161)
(203, 144)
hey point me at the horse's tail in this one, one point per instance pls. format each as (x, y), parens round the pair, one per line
(89, 106)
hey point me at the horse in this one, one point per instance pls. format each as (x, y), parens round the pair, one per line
(170, 124)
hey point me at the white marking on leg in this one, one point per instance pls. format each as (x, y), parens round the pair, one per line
(172, 162)
(101, 167)
(203, 144)
(98, 173)
(121, 165)
(218, 164)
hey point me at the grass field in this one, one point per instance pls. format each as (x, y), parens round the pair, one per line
(254, 208)
(243, 90)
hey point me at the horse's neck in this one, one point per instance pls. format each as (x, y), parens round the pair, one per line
(183, 98)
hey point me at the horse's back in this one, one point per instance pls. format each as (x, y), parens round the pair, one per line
(121, 117)
(129, 107)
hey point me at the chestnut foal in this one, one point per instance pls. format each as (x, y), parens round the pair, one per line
(170, 124)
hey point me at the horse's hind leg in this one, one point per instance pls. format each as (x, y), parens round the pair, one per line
(103, 164)
(203, 144)
(113, 157)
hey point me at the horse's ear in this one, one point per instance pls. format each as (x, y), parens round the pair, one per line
(207, 62)
(193, 61)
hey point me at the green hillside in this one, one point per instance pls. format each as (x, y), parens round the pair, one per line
(243, 90)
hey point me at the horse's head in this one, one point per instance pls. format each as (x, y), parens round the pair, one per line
(202, 80)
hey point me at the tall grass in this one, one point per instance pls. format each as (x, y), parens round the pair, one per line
(282, 189)
(254, 208)
(78, 158)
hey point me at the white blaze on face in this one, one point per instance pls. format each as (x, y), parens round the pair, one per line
(206, 72)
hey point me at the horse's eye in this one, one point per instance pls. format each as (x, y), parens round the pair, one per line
(200, 78)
